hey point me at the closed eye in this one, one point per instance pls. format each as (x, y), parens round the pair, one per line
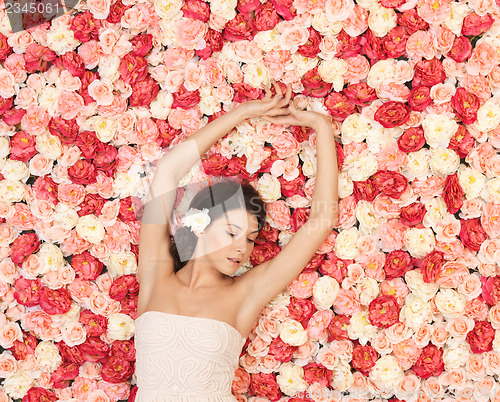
(233, 235)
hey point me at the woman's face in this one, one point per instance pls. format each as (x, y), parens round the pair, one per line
(231, 236)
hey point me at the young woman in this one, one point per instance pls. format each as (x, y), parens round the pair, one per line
(193, 317)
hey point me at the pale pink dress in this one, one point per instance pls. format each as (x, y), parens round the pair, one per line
(181, 358)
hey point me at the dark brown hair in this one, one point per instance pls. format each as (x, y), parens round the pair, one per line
(223, 196)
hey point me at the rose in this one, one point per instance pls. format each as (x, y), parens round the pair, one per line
(123, 348)
(390, 183)
(420, 98)
(412, 139)
(392, 114)
(394, 42)
(462, 142)
(364, 358)
(264, 252)
(106, 158)
(298, 218)
(6, 104)
(36, 394)
(365, 190)
(360, 94)
(23, 246)
(239, 28)
(185, 99)
(22, 146)
(65, 130)
(27, 291)
(475, 25)
(116, 12)
(91, 204)
(71, 353)
(335, 267)
(5, 48)
(413, 214)
(384, 311)
(337, 329)
(21, 349)
(94, 349)
(392, 4)
(292, 187)
(196, 9)
(472, 234)
(38, 58)
(466, 105)
(94, 324)
(86, 26)
(429, 362)
(281, 351)
(317, 373)
(311, 47)
(72, 62)
(491, 289)
(428, 73)
(431, 265)
(86, 80)
(214, 164)
(397, 263)
(461, 49)
(284, 8)
(144, 91)
(214, 42)
(116, 369)
(314, 85)
(13, 116)
(453, 193)
(55, 301)
(64, 374)
(123, 286)
(412, 21)
(373, 46)
(82, 172)
(481, 337)
(87, 143)
(339, 106)
(247, 6)
(266, 17)
(348, 46)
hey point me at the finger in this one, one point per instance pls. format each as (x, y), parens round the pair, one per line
(282, 120)
(288, 93)
(267, 90)
(278, 89)
(277, 112)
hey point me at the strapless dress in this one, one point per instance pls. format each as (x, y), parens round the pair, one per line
(181, 358)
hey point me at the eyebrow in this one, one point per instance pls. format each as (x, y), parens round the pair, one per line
(232, 224)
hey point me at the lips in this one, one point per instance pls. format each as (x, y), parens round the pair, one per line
(234, 261)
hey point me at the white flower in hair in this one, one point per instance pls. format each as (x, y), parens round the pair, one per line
(196, 219)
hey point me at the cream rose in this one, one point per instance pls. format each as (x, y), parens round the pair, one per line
(360, 327)
(450, 303)
(325, 291)
(415, 282)
(90, 228)
(332, 71)
(354, 129)
(293, 333)
(61, 40)
(438, 129)
(18, 384)
(471, 181)
(120, 264)
(415, 312)
(267, 40)
(15, 170)
(417, 164)
(364, 166)
(256, 73)
(366, 216)
(444, 161)
(48, 145)
(346, 244)
(491, 190)
(47, 356)
(342, 378)
(65, 215)
(11, 190)
(456, 354)
(369, 290)
(50, 257)
(291, 378)
(387, 373)
(488, 116)
(381, 20)
(120, 326)
(129, 183)
(269, 188)
(49, 97)
(419, 242)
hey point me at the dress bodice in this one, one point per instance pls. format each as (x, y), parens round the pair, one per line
(182, 358)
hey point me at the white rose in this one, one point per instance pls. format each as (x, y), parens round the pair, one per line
(61, 40)
(48, 145)
(369, 290)
(224, 8)
(65, 216)
(120, 326)
(366, 216)
(346, 185)
(90, 228)
(444, 161)
(491, 191)
(168, 9)
(196, 220)
(291, 379)
(104, 128)
(360, 327)
(129, 183)
(269, 188)
(415, 312)
(419, 242)
(381, 20)
(256, 73)
(326, 26)
(454, 22)
(354, 129)
(48, 98)
(436, 211)
(417, 164)
(471, 181)
(387, 373)
(496, 341)
(488, 116)
(381, 72)
(108, 67)
(332, 71)
(15, 170)
(122, 263)
(11, 190)
(438, 129)
(415, 281)
(346, 244)
(456, 354)
(309, 162)
(267, 40)
(325, 291)
(50, 258)
(364, 166)
(450, 303)
(47, 356)
(4, 147)
(18, 384)
(293, 333)
(342, 378)
(379, 137)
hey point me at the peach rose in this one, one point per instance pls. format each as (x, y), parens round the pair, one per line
(69, 104)
(9, 333)
(422, 335)
(459, 327)
(475, 367)
(258, 347)
(302, 286)
(102, 91)
(190, 32)
(439, 335)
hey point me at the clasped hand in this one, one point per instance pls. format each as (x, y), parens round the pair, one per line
(279, 110)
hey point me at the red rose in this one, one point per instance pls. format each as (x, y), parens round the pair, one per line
(144, 42)
(5, 48)
(246, 7)
(237, 167)
(373, 47)
(64, 374)
(311, 47)
(292, 187)
(197, 10)
(431, 265)
(392, 114)
(46, 189)
(70, 353)
(267, 164)
(116, 11)
(86, 80)
(299, 217)
(27, 291)
(37, 394)
(21, 349)
(491, 289)
(186, 99)
(420, 98)
(82, 172)
(461, 49)
(86, 266)
(133, 68)
(412, 21)
(314, 85)
(91, 204)
(95, 324)
(428, 73)
(22, 146)
(239, 28)
(214, 42)
(364, 358)
(85, 26)
(74, 63)
(129, 305)
(339, 106)
(383, 311)
(394, 42)
(280, 350)
(453, 193)
(214, 164)
(413, 214)
(166, 133)
(337, 329)
(412, 139)
(348, 46)
(314, 263)
(430, 362)
(13, 116)
(481, 337)
(472, 234)
(390, 183)
(267, 234)
(360, 94)
(266, 17)
(94, 349)
(55, 301)
(397, 263)
(106, 158)
(129, 208)
(335, 267)
(365, 190)
(264, 252)
(285, 9)
(300, 309)
(316, 372)
(38, 58)
(65, 130)
(124, 349)
(475, 25)
(265, 385)
(466, 104)
(462, 142)
(116, 369)
(144, 91)
(23, 246)
(392, 3)
(6, 104)
(244, 92)
(122, 286)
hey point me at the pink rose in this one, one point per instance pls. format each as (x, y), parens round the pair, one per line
(144, 91)
(384, 311)
(23, 246)
(55, 301)
(475, 25)
(392, 114)
(481, 337)
(266, 18)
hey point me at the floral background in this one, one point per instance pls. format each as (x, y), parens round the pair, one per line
(401, 302)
